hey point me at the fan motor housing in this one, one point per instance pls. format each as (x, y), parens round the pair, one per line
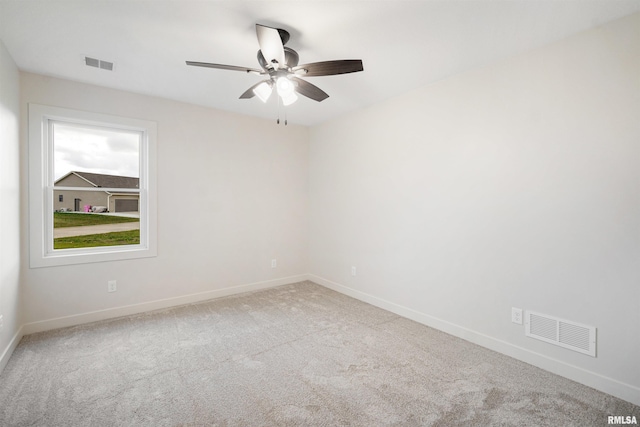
(291, 58)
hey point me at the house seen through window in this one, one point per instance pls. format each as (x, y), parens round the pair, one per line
(96, 186)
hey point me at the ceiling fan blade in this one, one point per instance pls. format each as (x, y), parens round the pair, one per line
(225, 67)
(249, 93)
(330, 68)
(310, 91)
(271, 45)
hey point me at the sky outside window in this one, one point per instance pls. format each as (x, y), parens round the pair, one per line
(96, 150)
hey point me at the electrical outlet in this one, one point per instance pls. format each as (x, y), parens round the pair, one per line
(516, 315)
(111, 286)
(353, 271)
(274, 263)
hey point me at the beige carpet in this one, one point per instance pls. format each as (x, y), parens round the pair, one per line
(296, 355)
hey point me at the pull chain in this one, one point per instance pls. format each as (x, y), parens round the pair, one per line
(285, 114)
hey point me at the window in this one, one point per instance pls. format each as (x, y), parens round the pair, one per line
(91, 187)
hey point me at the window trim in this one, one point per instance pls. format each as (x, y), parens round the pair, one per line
(41, 189)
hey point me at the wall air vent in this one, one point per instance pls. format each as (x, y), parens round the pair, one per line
(97, 63)
(564, 333)
(92, 62)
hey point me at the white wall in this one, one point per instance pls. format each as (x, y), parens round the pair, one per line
(9, 205)
(232, 195)
(515, 185)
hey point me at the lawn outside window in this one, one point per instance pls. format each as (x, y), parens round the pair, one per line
(95, 174)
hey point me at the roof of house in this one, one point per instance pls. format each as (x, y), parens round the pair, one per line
(106, 181)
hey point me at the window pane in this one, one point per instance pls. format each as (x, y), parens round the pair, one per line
(87, 158)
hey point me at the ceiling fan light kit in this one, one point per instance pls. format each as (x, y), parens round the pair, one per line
(263, 90)
(285, 86)
(280, 64)
(289, 99)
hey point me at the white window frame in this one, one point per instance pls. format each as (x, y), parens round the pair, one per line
(41, 185)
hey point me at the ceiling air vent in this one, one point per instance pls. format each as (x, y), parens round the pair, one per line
(97, 63)
(564, 333)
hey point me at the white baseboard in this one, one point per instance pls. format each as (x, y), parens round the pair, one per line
(607, 385)
(6, 354)
(111, 313)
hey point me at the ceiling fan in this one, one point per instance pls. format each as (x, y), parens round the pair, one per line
(280, 64)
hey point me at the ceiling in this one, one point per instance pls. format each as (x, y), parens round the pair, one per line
(403, 44)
